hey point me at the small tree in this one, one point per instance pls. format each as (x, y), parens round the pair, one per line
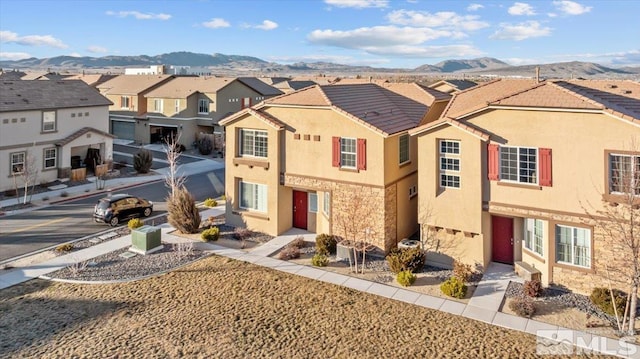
(619, 220)
(183, 212)
(27, 173)
(143, 160)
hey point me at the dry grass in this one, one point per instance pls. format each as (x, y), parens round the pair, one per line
(223, 308)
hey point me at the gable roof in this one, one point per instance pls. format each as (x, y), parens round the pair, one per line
(459, 85)
(261, 115)
(24, 95)
(417, 92)
(132, 84)
(183, 87)
(91, 79)
(260, 87)
(378, 108)
(81, 132)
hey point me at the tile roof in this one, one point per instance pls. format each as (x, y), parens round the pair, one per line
(81, 132)
(417, 92)
(131, 84)
(260, 87)
(379, 108)
(91, 79)
(183, 87)
(24, 95)
(461, 84)
(264, 116)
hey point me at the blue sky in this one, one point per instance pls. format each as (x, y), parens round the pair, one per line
(380, 33)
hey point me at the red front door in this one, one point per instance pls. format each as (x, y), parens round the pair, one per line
(300, 209)
(502, 242)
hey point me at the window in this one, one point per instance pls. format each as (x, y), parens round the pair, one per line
(326, 205)
(348, 152)
(404, 148)
(313, 202)
(253, 143)
(177, 106)
(158, 105)
(203, 106)
(17, 162)
(253, 196)
(573, 246)
(79, 114)
(48, 121)
(124, 102)
(449, 163)
(413, 191)
(624, 174)
(533, 235)
(50, 158)
(518, 164)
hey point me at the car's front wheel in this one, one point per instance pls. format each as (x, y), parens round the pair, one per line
(114, 221)
(147, 212)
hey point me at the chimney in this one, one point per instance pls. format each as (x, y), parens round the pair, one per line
(537, 74)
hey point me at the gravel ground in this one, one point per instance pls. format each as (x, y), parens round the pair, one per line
(222, 308)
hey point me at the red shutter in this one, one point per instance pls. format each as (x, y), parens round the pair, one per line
(493, 162)
(361, 154)
(545, 166)
(335, 150)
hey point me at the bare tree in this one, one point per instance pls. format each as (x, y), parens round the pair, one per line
(356, 222)
(27, 173)
(619, 220)
(172, 150)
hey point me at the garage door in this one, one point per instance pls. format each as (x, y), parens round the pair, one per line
(123, 130)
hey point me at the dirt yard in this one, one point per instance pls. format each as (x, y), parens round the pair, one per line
(223, 308)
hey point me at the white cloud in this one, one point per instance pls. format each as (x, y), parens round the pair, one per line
(267, 25)
(571, 7)
(521, 8)
(358, 4)
(139, 15)
(425, 51)
(376, 36)
(444, 19)
(517, 61)
(619, 58)
(31, 40)
(97, 49)
(474, 7)
(521, 31)
(552, 14)
(14, 56)
(74, 54)
(216, 23)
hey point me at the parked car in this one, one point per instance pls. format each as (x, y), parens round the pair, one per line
(120, 207)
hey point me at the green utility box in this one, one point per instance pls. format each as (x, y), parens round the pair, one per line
(145, 240)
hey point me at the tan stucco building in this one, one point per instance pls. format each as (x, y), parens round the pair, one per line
(50, 126)
(296, 160)
(509, 171)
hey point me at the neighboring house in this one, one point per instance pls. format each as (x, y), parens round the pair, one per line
(194, 105)
(12, 75)
(151, 70)
(452, 86)
(292, 160)
(43, 75)
(49, 124)
(126, 92)
(288, 86)
(92, 80)
(517, 166)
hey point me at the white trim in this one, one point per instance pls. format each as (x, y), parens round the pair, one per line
(429, 128)
(122, 120)
(518, 148)
(162, 125)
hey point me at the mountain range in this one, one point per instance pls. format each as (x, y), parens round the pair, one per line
(247, 65)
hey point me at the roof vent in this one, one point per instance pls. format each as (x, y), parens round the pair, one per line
(612, 86)
(626, 92)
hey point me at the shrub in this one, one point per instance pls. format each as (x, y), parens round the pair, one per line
(532, 288)
(205, 146)
(411, 259)
(64, 194)
(601, 297)
(142, 161)
(183, 213)
(134, 223)
(320, 260)
(210, 202)
(325, 243)
(67, 247)
(405, 278)
(454, 287)
(45, 198)
(241, 233)
(523, 306)
(211, 234)
(298, 242)
(289, 252)
(462, 271)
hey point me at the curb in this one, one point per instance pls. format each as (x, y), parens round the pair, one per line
(89, 194)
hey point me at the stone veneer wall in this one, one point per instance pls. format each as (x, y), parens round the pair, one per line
(383, 225)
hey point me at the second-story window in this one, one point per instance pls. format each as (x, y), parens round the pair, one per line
(253, 143)
(48, 121)
(519, 164)
(404, 148)
(177, 106)
(158, 105)
(449, 163)
(203, 106)
(624, 174)
(348, 152)
(125, 102)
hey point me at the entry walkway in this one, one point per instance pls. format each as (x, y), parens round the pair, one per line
(483, 306)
